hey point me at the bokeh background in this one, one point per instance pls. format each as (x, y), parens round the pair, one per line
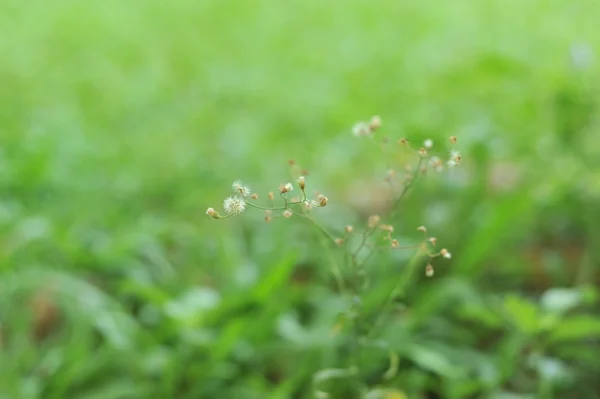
(121, 122)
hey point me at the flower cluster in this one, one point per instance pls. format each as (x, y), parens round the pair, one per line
(365, 129)
(244, 198)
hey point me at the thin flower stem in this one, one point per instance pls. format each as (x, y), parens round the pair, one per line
(335, 269)
(278, 208)
(281, 208)
(407, 186)
(398, 289)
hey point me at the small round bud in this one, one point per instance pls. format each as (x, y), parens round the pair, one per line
(444, 252)
(287, 213)
(254, 196)
(339, 241)
(403, 142)
(428, 144)
(271, 196)
(422, 229)
(422, 152)
(453, 139)
(429, 272)
(395, 244)
(432, 240)
(268, 218)
(349, 229)
(291, 162)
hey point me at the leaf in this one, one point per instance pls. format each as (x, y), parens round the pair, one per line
(386, 394)
(574, 328)
(431, 360)
(522, 313)
(275, 279)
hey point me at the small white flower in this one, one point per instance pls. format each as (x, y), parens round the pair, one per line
(451, 163)
(288, 187)
(239, 187)
(445, 253)
(428, 144)
(454, 154)
(361, 129)
(234, 205)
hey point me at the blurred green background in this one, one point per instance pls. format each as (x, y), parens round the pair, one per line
(121, 122)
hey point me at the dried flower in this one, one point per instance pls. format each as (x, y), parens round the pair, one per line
(287, 213)
(234, 205)
(422, 152)
(453, 139)
(323, 200)
(403, 142)
(395, 244)
(254, 196)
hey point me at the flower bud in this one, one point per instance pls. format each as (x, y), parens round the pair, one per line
(212, 213)
(429, 270)
(301, 183)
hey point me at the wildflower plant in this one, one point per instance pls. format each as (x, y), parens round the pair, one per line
(358, 245)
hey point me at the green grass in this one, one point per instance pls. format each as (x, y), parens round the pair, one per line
(121, 122)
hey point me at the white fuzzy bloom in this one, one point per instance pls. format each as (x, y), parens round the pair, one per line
(451, 163)
(361, 129)
(289, 187)
(428, 144)
(454, 154)
(239, 187)
(234, 205)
